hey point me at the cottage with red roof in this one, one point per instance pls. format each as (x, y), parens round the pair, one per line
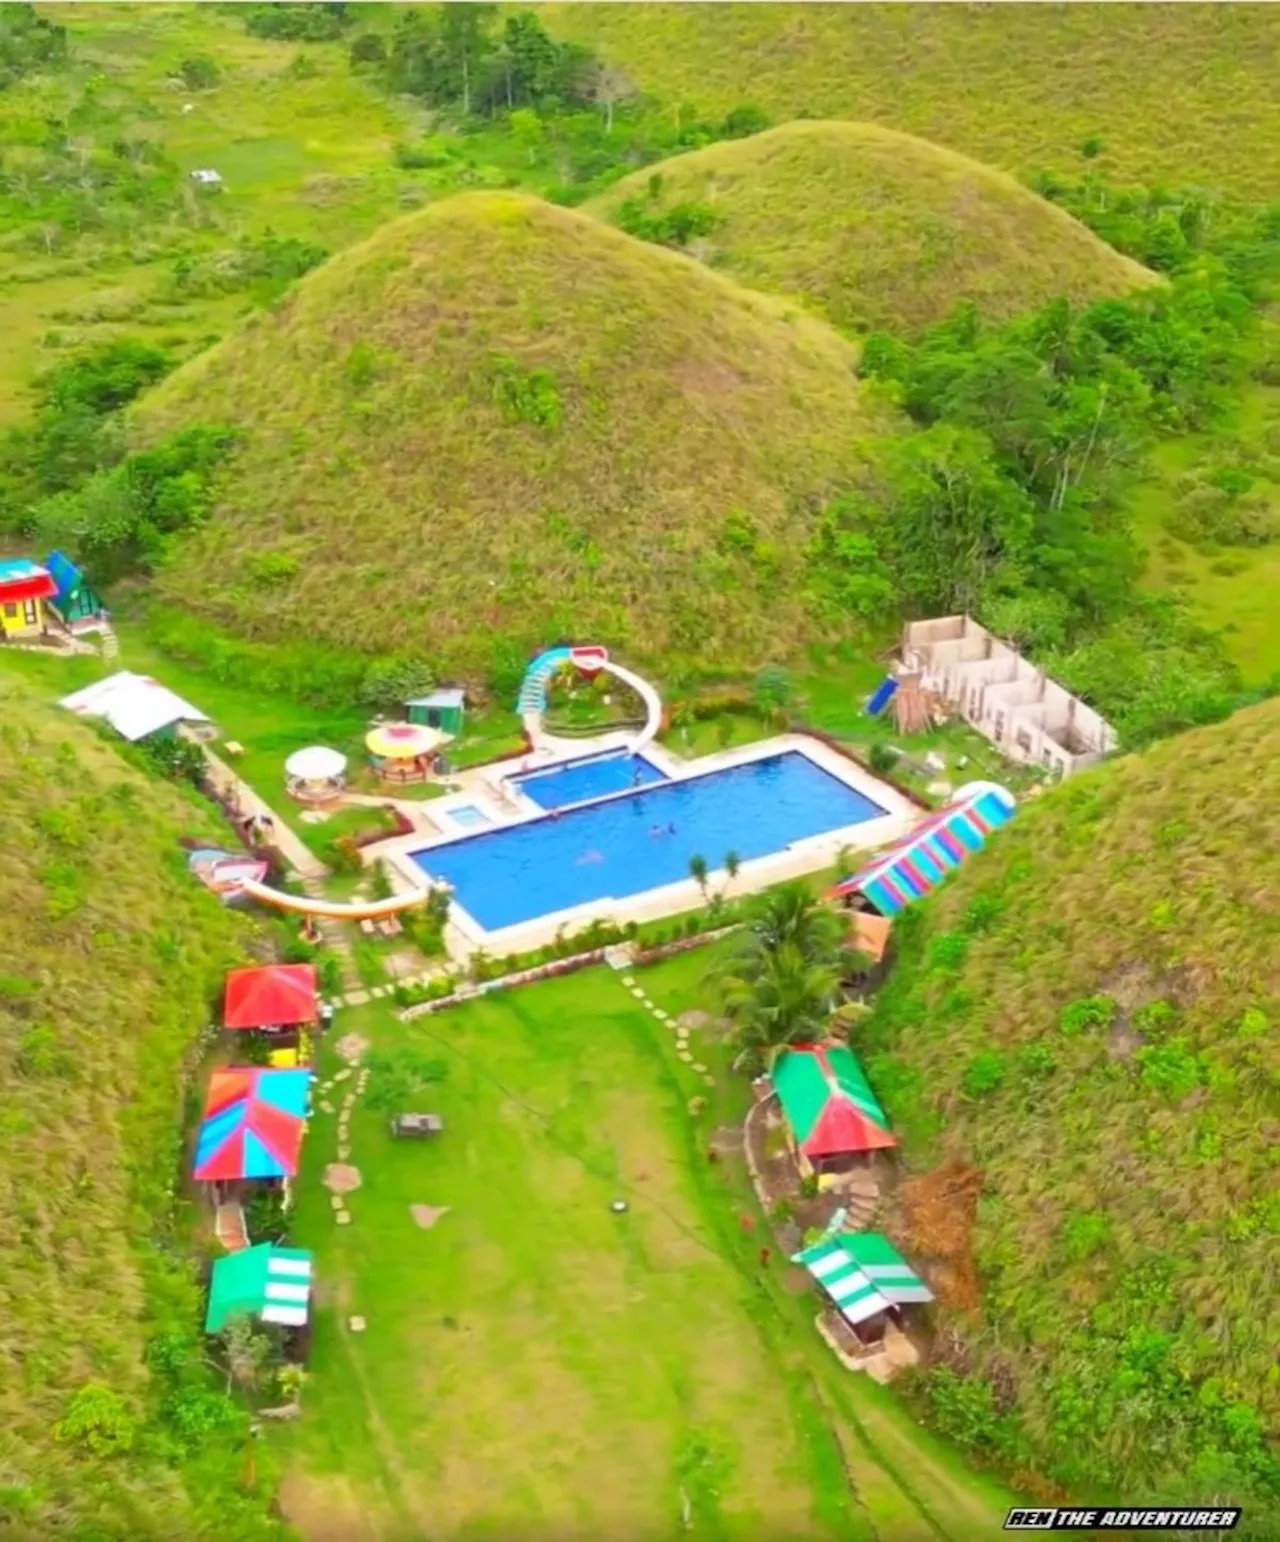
(831, 1112)
(24, 588)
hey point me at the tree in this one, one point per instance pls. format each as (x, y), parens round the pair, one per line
(955, 528)
(199, 73)
(465, 44)
(732, 867)
(698, 872)
(782, 998)
(527, 130)
(790, 915)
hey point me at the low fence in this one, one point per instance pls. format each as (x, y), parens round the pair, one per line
(562, 966)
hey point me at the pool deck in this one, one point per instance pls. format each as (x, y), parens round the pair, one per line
(486, 788)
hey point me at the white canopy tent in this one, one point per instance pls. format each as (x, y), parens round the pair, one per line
(135, 705)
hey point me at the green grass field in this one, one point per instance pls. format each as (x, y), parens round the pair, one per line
(1177, 94)
(535, 1364)
(876, 229)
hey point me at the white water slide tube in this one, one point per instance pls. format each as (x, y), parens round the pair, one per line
(303, 904)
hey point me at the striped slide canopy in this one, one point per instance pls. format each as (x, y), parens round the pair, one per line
(270, 1283)
(863, 1273)
(922, 859)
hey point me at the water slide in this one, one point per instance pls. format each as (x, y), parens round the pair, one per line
(532, 701)
(305, 905)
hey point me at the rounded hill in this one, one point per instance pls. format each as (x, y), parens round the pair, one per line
(500, 421)
(873, 228)
(1079, 1044)
(110, 954)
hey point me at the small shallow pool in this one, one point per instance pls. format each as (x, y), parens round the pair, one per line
(470, 817)
(643, 840)
(579, 781)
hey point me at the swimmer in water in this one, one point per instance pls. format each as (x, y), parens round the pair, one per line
(655, 829)
(671, 829)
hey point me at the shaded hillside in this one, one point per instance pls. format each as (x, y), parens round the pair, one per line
(499, 421)
(875, 228)
(1088, 1018)
(1175, 93)
(109, 958)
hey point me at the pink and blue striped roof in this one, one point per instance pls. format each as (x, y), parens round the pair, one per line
(922, 859)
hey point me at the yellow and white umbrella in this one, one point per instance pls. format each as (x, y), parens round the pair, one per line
(404, 741)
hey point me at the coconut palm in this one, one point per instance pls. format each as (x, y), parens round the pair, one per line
(698, 872)
(732, 867)
(777, 999)
(791, 914)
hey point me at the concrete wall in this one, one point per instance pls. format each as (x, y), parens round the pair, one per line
(1028, 717)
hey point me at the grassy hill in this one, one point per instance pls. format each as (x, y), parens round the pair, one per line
(1087, 1018)
(875, 228)
(1175, 93)
(111, 955)
(502, 417)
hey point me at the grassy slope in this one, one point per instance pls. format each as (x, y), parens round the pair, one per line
(1177, 93)
(110, 956)
(597, 1363)
(305, 156)
(379, 460)
(878, 229)
(1154, 879)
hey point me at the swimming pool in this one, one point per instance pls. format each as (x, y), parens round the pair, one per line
(624, 846)
(578, 781)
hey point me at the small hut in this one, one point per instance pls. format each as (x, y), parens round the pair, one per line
(866, 1279)
(833, 1118)
(443, 709)
(76, 601)
(278, 1000)
(315, 775)
(25, 587)
(264, 1282)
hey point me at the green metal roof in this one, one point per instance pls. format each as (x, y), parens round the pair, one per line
(863, 1273)
(828, 1101)
(270, 1283)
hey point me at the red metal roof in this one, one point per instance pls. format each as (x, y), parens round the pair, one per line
(274, 996)
(33, 584)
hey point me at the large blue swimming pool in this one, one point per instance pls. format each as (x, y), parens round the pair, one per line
(579, 781)
(626, 845)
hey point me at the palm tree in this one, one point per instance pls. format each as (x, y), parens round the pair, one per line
(782, 998)
(791, 914)
(698, 872)
(732, 867)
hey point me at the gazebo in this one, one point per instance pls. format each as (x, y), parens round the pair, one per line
(252, 1127)
(315, 775)
(278, 999)
(404, 752)
(832, 1116)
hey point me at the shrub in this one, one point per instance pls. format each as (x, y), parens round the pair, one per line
(1089, 1012)
(526, 396)
(98, 1420)
(199, 73)
(368, 48)
(984, 1073)
(881, 758)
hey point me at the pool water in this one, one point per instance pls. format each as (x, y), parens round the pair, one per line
(578, 781)
(470, 817)
(625, 845)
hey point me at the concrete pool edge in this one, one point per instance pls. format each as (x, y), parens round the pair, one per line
(465, 935)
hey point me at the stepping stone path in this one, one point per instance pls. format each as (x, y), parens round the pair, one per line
(341, 1076)
(681, 1025)
(344, 1218)
(699, 1067)
(356, 1324)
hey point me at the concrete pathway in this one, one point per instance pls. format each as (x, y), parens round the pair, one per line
(295, 852)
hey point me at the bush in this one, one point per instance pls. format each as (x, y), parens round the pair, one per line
(98, 1420)
(881, 758)
(199, 73)
(368, 49)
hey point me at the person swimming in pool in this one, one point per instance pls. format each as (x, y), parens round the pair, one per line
(590, 856)
(655, 829)
(671, 829)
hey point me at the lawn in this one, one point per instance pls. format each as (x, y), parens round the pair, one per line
(536, 1365)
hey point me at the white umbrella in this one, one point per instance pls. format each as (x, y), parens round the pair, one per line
(315, 764)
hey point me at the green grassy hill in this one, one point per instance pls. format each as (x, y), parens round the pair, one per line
(110, 958)
(875, 228)
(502, 419)
(1087, 1017)
(1176, 93)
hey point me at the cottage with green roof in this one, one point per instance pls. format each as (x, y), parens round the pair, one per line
(866, 1279)
(831, 1112)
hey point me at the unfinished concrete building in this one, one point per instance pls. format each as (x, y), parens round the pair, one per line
(1027, 716)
